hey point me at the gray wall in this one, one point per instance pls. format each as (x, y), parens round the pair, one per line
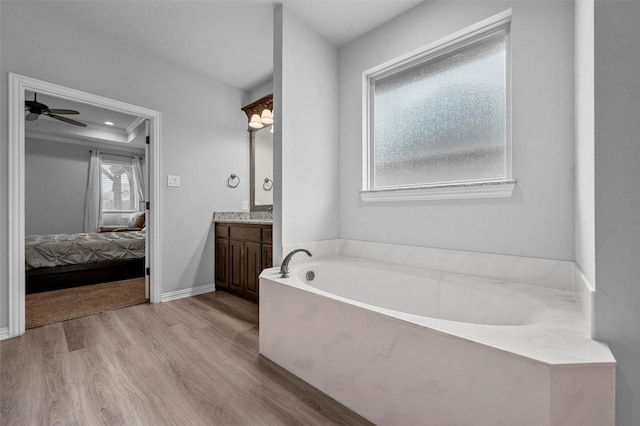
(538, 220)
(55, 186)
(258, 92)
(202, 145)
(617, 195)
(305, 134)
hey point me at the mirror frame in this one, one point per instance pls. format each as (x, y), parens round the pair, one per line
(256, 108)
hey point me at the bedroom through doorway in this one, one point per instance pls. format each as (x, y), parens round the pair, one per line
(86, 176)
(85, 199)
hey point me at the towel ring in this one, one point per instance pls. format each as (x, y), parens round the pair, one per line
(267, 185)
(231, 179)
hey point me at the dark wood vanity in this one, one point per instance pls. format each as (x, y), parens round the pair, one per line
(243, 239)
(243, 250)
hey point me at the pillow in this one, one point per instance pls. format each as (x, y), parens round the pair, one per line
(136, 221)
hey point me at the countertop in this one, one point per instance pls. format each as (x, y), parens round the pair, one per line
(257, 218)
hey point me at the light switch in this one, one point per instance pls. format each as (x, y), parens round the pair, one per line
(245, 205)
(173, 180)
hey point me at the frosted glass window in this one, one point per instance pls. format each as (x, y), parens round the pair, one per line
(443, 120)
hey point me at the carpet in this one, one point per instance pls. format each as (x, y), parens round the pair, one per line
(60, 305)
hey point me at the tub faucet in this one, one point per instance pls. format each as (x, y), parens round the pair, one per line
(284, 268)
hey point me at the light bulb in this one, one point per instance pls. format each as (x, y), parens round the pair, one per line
(255, 122)
(267, 117)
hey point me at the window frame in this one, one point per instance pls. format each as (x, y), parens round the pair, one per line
(134, 184)
(481, 188)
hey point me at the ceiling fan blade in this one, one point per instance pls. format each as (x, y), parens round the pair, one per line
(63, 111)
(65, 119)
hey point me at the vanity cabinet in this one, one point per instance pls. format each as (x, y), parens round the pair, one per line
(242, 252)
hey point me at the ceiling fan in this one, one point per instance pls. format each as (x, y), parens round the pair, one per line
(36, 109)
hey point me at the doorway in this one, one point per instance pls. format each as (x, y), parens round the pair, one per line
(18, 86)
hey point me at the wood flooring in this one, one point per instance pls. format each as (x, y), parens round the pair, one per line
(192, 361)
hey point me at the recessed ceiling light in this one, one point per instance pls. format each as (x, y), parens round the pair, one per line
(108, 123)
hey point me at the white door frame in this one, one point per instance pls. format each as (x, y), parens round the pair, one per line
(18, 84)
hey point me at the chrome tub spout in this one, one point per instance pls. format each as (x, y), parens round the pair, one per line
(284, 268)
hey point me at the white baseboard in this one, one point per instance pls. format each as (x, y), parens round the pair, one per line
(4, 333)
(192, 291)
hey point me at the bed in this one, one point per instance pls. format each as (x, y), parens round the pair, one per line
(56, 261)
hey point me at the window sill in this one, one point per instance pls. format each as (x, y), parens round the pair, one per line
(487, 189)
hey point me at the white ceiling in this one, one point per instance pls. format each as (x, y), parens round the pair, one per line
(231, 41)
(126, 133)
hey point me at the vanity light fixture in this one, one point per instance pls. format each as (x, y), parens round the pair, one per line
(259, 121)
(260, 112)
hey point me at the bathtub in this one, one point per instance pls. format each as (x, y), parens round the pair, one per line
(403, 345)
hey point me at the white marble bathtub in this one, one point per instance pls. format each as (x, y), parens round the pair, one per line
(405, 345)
(425, 293)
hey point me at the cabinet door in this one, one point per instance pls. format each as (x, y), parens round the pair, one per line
(222, 263)
(253, 265)
(236, 263)
(267, 256)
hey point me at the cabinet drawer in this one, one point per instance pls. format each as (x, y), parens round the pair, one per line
(244, 233)
(222, 231)
(266, 235)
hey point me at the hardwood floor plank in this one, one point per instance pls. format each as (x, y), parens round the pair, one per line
(174, 314)
(191, 361)
(236, 317)
(259, 382)
(149, 386)
(23, 378)
(79, 398)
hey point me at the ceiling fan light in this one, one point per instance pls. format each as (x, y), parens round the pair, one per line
(267, 117)
(32, 116)
(255, 122)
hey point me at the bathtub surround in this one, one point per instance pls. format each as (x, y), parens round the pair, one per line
(555, 274)
(546, 273)
(537, 365)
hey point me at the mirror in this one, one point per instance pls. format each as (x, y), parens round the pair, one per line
(261, 168)
(261, 155)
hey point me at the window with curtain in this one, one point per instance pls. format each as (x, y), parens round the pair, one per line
(119, 187)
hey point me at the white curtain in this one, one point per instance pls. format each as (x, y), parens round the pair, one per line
(93, 198)
(138, 172)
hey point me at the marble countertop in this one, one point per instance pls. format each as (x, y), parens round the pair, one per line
(260, 218)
